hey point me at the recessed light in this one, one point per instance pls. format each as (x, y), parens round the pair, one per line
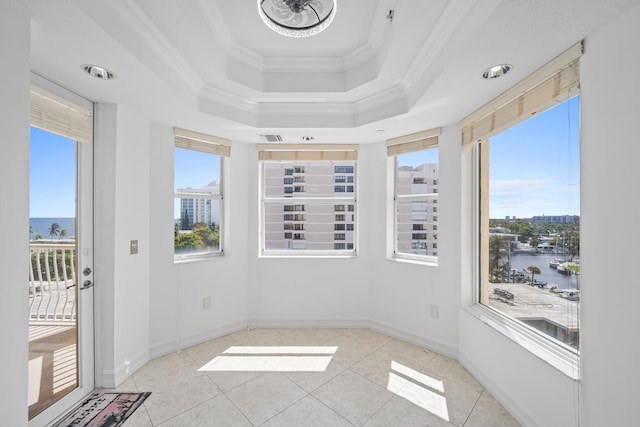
(496, 71)
(98, 72)
(380, 130)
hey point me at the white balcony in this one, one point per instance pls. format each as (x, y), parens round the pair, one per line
(52, 283)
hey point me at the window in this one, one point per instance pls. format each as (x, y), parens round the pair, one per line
(320, 201)
(414, 159)
(198, 191)
(343, 169)
(293, 208)
(527, 147)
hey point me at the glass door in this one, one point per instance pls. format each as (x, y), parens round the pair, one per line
(61, 359)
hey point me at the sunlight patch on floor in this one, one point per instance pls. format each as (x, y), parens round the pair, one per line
(419, 389)
(272, 359)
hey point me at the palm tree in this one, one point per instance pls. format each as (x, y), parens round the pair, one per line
(54, 230)
(498, 244)
(63, 233)
(534, 270)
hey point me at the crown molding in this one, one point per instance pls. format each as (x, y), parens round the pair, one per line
(294, 114)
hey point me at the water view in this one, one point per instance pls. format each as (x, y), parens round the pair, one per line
(42, 227)
(520, 261)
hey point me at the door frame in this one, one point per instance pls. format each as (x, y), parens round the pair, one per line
(85, 254)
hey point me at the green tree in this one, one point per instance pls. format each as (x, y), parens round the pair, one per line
(498, 245)
(185, 241)
(208, 236)
(533, 270)
(184, 221)
(63, 233)
(535, 241)
(54, 230)
(38, 237)
(573, 243)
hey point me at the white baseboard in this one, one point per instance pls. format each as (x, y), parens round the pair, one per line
(420, 341)
(308, 323)
(112, 379)
(181, 343)
(505, 400)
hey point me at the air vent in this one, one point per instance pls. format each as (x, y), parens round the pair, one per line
(271, 138)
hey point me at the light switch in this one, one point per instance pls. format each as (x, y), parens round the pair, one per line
(134, 247)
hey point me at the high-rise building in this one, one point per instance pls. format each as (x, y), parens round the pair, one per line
(305, 213)
(417, 220)
(200, 207)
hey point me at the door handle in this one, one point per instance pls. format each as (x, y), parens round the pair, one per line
(86, 271)
(87, 284)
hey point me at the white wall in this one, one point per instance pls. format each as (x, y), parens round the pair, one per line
(307, 291)
(610, 176)
(403, 293)
(534, 391)
(14, 175)
(177, 316)
(164, 298)
(122, 213)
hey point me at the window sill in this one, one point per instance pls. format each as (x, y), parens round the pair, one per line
(316, 255)
(563, 358)
(186, 259)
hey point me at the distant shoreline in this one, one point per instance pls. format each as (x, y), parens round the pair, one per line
(42, 225)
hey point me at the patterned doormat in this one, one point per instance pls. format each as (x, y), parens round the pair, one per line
(103, 409)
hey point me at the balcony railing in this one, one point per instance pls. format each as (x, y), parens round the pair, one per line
(52, 283)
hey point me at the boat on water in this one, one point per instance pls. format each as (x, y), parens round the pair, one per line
(555, 263)
(563, 268)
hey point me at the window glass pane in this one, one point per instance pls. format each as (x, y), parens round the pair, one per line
(198, 203)
(531, 267)
(415, 227)
(311, 221)
(417, 173)
(313, 228)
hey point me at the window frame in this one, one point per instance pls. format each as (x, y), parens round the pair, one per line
(214, 146)
(477, 129)
(413, 143)
(561, 356)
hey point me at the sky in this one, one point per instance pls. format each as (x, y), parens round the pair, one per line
(535, 165)
(535, 168)
(195, 169)
(52, 174)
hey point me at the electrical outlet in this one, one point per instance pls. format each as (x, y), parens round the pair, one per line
(206, 303)
(434, 311)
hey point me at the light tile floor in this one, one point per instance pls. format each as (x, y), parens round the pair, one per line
(371, 380)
